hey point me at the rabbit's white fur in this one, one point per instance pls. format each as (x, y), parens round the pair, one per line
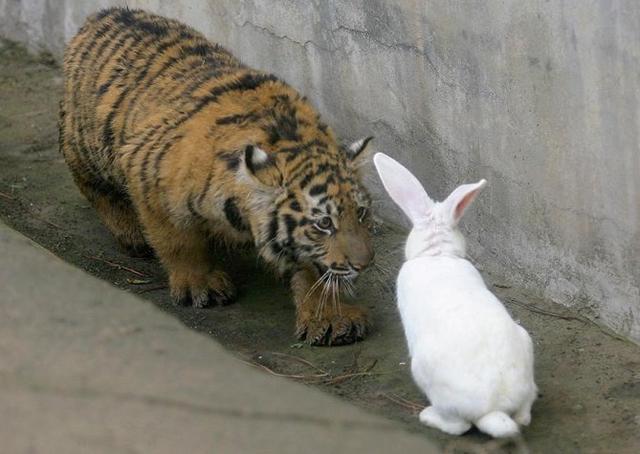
(474, 363)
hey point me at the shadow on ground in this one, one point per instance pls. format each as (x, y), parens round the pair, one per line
(589, 380)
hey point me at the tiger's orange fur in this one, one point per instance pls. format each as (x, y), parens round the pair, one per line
(174, 141)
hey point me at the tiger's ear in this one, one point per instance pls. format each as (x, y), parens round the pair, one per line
(356, 148)
(262, 166)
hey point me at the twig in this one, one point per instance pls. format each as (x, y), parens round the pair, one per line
(277, 374)
(32, 113)
(151, 289)
(407, 401)
(116, 265)
(543, 312)
(138, 281)
(584, 320)
(323, 376)
(7, 196)
(53, 224)
(298, 359)
(413, 406)
(350, 375)
(342, 378)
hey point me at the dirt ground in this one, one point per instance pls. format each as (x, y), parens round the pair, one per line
(589, 380)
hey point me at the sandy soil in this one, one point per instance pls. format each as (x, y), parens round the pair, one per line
(589, 380)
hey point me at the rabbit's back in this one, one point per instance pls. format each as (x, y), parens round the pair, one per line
(446, 297)
(466, 350)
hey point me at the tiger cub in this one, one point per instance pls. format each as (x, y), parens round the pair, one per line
(174, 141)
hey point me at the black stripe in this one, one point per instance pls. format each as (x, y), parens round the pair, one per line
(276, 248)
(205, 190)
(231, 158)
(132, 41)
(306, 180)
(88, 43)
(196, 81)
(318, 189)
(305, 146)
(290, 223)
(273, 226)
(81, 65)
(298, 171)
(192, 209)
(302, 161)
(156, 29)
(126, 34)
(141, 141)
(158, 159)
(126, 17)
(143, 172)
(106, 12)
(139, 91)
(249, 81)
(233, 215)
(237, 118)
(108, 135)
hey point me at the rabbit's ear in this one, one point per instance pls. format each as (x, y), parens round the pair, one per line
(460, 199)
(403, 187)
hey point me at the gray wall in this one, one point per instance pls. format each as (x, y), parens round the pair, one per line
(539, 97)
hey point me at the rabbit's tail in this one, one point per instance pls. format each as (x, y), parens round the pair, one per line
(498, 425)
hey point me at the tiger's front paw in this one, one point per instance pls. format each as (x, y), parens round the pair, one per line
(214, 289)
(334, 327)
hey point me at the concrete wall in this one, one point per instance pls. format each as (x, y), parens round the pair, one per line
(541, 98)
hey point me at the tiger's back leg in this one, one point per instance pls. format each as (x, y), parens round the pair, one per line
(118, 214)
(113, 206)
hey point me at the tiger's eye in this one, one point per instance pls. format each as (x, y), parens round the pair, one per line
(325, 223)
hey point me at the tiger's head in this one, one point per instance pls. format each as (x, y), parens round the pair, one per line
(321, 214)
(318, 211)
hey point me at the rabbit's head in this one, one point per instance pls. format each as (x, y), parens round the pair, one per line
(435, 224)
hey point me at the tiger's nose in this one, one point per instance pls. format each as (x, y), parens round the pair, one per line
(362, 264)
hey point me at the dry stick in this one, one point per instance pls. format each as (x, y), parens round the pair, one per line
(138, 281)
(414, 407)
(53, 224)
(407, 401)
(323, 377)
(342, 378)
(570, 317)
(299, 359)
(277, 374)
(116, 265)
(350, 375)
(6, 196)
(32, 113)
(543, 312)
(151, 289)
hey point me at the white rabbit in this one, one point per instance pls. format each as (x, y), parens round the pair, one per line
(474, 363)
